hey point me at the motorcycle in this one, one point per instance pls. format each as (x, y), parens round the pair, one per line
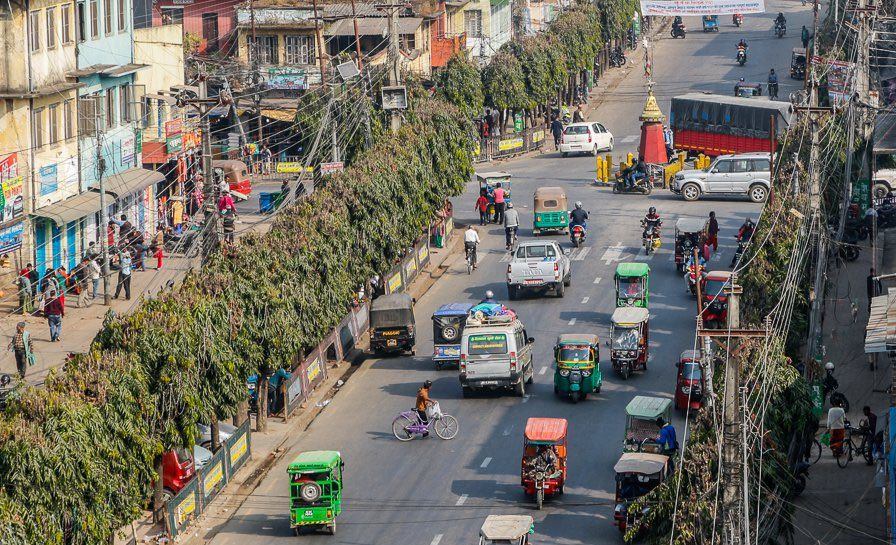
(829, 388)
(737, 19)
(886, 216)
(577, 235)
(679, 31)
(692, 278)
(642, 185)
(780, 29)
(741, 56)
(741, 246)
(650, 237)
(617, 58)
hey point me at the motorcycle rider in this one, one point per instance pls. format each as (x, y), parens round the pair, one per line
(742, 50)
(511, 223)
(651, 219)
(471, 240)
(547, 459)
(677, 25)
(780, 21)
(772, 84)
(737, 86)
(578, 216)
(745, 233)
(633, 174)
(489, 298)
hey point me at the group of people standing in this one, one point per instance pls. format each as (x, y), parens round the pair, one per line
(258, 159)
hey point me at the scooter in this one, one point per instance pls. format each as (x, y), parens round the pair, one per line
(679, 31)
(617, 58)
(741, 57)
(643, 185)
(737, 19)
(577, 235)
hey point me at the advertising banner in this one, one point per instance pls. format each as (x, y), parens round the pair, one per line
(286, 77)
(510, 144)
(839, 76)
(293, 168)
(48, 179)
(12, 203)
(394, 282)
(700, 7)
(128, 149)
(11, 237)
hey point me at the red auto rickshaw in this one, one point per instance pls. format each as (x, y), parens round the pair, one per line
(715, 299)
(690, 385)
(543, 468)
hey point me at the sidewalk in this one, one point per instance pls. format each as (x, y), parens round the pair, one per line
(269, 447)
(846, 504)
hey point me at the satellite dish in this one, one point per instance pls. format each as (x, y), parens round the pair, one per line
(348, 70)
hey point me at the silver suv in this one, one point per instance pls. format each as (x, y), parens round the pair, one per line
(742, 174)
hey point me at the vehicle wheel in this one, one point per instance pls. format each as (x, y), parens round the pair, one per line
(564, 154)
(690, 192)
(814, 452)
(594, 151)
(531, 378)
(625, 373)
(556, 390)
(539, 498)
(559, 289)
(446, 427)
(758, 193)
(167, 494)
(466, 391)
(615, 188)
(880, 191)
(520, 387)
(597, 390)
(575, 396)
(310, 492)
(867, 454)
(535, 232)
(400, 428)
(611, 145)
(332, 528)
(845, 456)
(295, 531)
(568, 280)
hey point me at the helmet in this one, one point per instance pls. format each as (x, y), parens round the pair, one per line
(489, 294)
(829, 366)
(427, 384)
(578, 204)
(509, 204)
(651, 211)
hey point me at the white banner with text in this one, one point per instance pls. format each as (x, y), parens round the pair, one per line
(701, 7)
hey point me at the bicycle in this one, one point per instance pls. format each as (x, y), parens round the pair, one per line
(512, 246)
(849, 447)
(471, 258)
(814, 453)
(407, 424)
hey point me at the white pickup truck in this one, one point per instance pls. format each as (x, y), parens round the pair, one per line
(538, 266)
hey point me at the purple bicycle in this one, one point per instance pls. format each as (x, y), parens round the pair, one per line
(407, 424)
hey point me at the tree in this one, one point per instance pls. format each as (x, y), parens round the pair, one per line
(460, 83)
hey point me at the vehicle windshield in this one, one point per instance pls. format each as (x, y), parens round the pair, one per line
(691, 371)
(631, 486)
(528, 252)
(630, 287)
(487, 343)
(625, 338)
(576, 129)
(714, 288)
(575, 353)
(394, 317)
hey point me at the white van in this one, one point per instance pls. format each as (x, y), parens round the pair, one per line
(496, 353)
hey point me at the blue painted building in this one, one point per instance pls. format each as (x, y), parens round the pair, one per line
(109, 140)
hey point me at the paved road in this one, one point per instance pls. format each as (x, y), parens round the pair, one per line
(433, 492)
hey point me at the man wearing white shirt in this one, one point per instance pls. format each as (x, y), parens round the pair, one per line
(471, 240)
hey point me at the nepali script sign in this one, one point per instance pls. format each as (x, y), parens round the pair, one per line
(701, 7)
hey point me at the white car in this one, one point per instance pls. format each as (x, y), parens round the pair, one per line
(743, 174)
(588, 137)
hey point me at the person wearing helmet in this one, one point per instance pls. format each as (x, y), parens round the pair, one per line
(511, 224)
(652, 219)
(578, 216)
(745, 233)
(489, 298)
(424, 401)
(780, 20)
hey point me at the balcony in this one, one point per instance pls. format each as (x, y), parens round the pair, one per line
(444, 46)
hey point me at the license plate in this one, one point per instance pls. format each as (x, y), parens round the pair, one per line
(533, 282)
(489, 383)
(392, 342)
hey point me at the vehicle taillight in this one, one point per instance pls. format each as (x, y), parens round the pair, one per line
(512, 361)
(463, 363)
(563, 139)
(589, 137)
(556, 270)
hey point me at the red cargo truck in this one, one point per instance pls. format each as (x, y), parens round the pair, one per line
(719, 124)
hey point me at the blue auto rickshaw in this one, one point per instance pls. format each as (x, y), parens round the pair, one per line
(448, 323)
(710, 23)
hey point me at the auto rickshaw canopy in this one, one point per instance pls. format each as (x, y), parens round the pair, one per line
(578, 339)
(546, 431)
(797, 53)
(642, 463)
(506, 527)
(551, 198)
(690, 355)
(393, 310)
(748, 89)
(648, 408)
(453, 309)
(492, 178)
(690, 225)
(630, 315)
(314, 461)
(632, 269)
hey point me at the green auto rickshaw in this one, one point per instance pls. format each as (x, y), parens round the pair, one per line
(315, 490)
(577, 365)
(632, 285)
(551, 210)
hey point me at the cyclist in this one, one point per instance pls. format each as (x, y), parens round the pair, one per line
(471, 240)
(511, 224)
(424, 401)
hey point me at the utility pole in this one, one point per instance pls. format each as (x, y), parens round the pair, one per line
(104, 216)
(256, 76)
(395, 61)
(357, 38)
(318, 37)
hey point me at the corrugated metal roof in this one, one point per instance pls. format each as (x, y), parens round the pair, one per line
(372, 26)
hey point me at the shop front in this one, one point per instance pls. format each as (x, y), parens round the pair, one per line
(178, 159)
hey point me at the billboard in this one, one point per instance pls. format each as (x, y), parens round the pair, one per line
(701, 7)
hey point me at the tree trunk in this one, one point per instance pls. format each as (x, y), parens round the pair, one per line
(157, 490)
(261, 421)
(216, 434)
(242, 413)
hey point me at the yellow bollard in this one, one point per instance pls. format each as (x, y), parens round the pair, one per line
(682, 155)
(630, 158)
(700, 159)
(598, 168)
(608, 167)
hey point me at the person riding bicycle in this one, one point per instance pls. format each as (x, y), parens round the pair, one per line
(578, 216)
(511, 224)
(471, 240)
(772, 83)
(423, 402)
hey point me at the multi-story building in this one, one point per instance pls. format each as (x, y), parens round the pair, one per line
(38, 140)
(209, 25)
(487, 24)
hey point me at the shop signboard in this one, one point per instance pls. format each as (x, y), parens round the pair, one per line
(174, 144)
(191, 140)
(128, 149)
(293, 168)
(49, 181)
(518, 124)
(11, 237)
(12, 203)
(173, 127)
(510, 144)
(330, 168)
(816, 392)
(394, 282)
(861, 194)
(287, 77)
(138, 140)
(668, 8)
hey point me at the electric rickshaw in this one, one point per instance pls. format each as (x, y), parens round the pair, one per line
(392, 324)
(506, 530)
(641, 430)
(637, 473)
(715, 289)
(710, 23)
(490, 180)
(448, 323)
(551, 210)
(690, 382)
(632, 285)
(690, 233)
(315, 490)
(543, 468)
(798, 63)
(629, 336)
(577, 365)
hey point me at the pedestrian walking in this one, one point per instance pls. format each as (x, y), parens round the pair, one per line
(499, 203)
(124, 275)
(805, 36)
(870, 420)
(870, 217)
(159, 254)
(579, 115)
(55, 311)
(228, 221)
(557, 132)
(837, 427)
(62, 278)
(26, 297)
(93, 274)
(23, 348)
(873, 287)
(82, 279)
(482, 207)
(225, 202)
(34, 276)
(713, 232)
(669, 141)
(267, 157)
(48, 283)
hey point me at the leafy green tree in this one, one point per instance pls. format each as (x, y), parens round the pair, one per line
(460, 82)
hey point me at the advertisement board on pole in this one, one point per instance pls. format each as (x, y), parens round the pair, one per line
(666, 8)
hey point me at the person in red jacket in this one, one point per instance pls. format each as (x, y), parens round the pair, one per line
(482, 206)
(55, 310)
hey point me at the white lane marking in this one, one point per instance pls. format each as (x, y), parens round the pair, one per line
(485, 463)
(630, 138)
(525, 398)
(438, 538)
(506, 432)
(613, 253)
(572, 321)
(578, 254)
(543, 370)
(461, 500)
(597, 280)
(506, 258)
(585, 300)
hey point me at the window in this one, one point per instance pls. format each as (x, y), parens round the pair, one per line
(761, 165)
(68, 108)
(66, 15)
(122, 16)
(37, 128)
(473, 23)
(110, 107)
(172, 16)
(124, 103)
(740, 165)
(299, 50)
(107, 16)
(88, 115)
(94, 19)
(210, 28)
(51, 28)
(34, 31)
(722, 166)
(407, 42)
(146, 112)
(82, 21)
(53, 123)
(266, 49)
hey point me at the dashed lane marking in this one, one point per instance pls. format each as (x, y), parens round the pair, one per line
(485, 463)
(506, 257)
(572, 321)
(630, 138)
(438, 538)
(543, 370)
(585, 300)
(613, 253)
(597, 280)
(578, 254)
(461, 500)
